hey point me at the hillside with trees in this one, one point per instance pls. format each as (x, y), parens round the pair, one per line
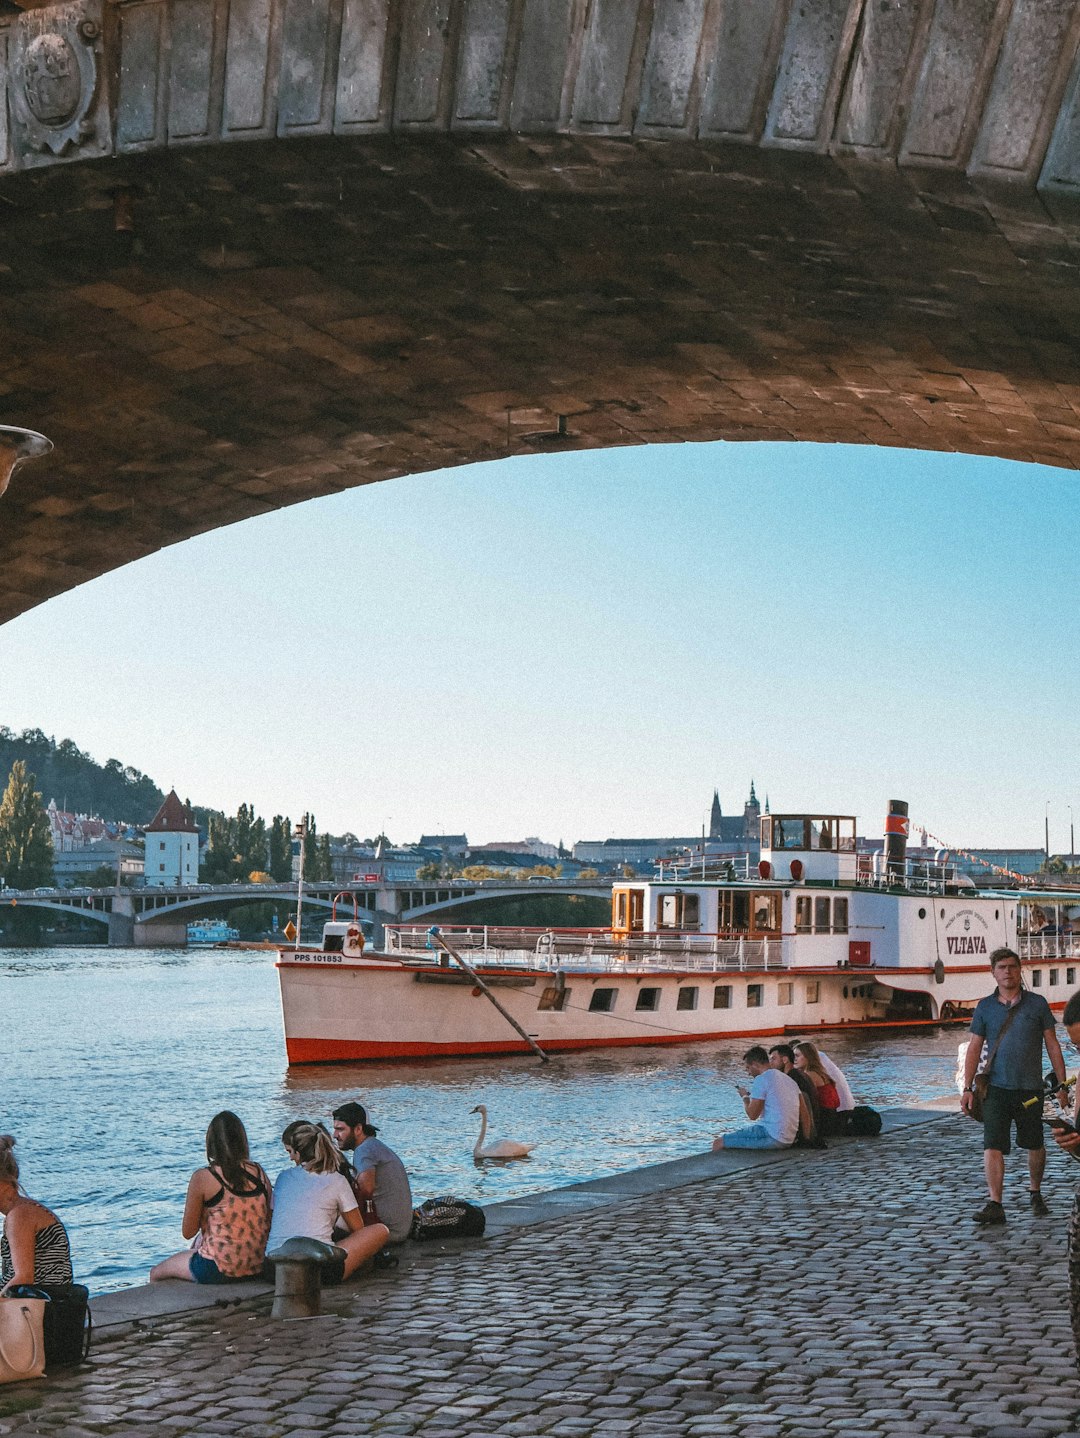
(110, 791)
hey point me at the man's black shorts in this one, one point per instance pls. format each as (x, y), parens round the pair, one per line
(1003, 1108)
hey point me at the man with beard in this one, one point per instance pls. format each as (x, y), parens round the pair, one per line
(379, 1178)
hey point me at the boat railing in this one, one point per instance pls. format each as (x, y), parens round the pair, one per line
(917, 876)
(684, 870)
(1048, 946)
(594, 949)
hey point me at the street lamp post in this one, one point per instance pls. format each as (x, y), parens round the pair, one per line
(301, 834)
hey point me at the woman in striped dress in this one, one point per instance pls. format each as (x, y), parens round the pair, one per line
(34, 1247)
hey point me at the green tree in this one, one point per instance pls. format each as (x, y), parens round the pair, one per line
(279, 861)
(258, 849)
(326, 859)
(26, 851)
(311, 849)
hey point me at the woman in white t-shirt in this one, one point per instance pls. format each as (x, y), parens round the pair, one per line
(311, 1197)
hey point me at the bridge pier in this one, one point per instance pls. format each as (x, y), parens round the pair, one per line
(122, 922)
(387, 911)
(161, 935)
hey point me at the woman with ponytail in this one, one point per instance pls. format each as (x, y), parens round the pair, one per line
(313, 1195)
(227, 1212)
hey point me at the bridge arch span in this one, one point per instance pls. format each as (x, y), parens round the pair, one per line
(460, 231)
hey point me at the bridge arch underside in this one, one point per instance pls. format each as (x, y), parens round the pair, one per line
(286, 319)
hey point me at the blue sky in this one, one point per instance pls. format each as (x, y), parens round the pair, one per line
(584, 645)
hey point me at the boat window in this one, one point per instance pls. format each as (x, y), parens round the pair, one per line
(619, 916)
(839, 916)
(1053, 977)
(822, 834)
(734, 912)
(637, 910)
(679, 911)
(1036, 978)
(813, 992)
(822, 907)
(755, 996)
(803, 910)
(648, 999)
(333, 943)
(766, 912)
(766, 831)
(1070, 977)
(602, 1001)
(789, 833)
(554, 998)
(721, 996)
(785, 993)
(687, 999)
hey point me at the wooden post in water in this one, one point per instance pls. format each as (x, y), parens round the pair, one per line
(478, 981)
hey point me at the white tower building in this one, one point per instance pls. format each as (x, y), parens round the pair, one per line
(172, 845)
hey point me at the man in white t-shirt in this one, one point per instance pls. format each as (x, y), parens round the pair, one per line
(775, 1107)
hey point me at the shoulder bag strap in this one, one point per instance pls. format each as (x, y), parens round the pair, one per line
(1004, 1030)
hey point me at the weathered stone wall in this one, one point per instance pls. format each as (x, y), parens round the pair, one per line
(285, 321)
(986, 86)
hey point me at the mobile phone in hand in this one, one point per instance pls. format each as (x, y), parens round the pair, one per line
(1061, 1124)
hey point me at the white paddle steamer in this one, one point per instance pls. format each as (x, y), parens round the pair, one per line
(820, 937)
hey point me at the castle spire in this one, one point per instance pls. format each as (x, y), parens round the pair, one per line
(715, 816)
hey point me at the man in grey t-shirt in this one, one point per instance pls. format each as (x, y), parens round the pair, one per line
(380, 1174)
(1015, 1095)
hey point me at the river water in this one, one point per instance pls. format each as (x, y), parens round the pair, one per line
(115, 1060)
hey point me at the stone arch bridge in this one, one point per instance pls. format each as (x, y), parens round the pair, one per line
(160, 915)
(256, 251)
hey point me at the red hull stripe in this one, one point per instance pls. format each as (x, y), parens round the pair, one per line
(330, 1051)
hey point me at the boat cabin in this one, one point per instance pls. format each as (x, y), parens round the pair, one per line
(815, 901)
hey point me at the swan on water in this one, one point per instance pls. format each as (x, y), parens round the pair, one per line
(503, 1147)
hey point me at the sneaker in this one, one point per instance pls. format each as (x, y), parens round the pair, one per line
(1039, 1206)
(991, 1213)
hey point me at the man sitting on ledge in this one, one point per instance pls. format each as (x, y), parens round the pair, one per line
(775, 1107)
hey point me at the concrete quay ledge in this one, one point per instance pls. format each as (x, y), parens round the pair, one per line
(787, 1294)
(149, 1301)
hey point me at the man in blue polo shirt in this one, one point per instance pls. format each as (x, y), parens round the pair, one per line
(1015, 1095)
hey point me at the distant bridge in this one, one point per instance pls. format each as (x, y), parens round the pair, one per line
(159, 916)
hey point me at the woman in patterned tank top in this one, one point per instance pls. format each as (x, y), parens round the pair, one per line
(34, 1246)
(227, 1212)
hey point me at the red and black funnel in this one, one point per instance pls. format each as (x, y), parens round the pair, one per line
(896, 837)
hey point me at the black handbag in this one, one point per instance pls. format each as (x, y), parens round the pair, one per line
(68, 1324)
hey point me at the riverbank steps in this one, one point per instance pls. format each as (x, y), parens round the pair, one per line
(759, 1295)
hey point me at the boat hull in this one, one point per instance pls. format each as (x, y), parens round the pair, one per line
(342, 1011)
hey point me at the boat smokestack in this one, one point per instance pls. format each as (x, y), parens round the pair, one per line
(896, 837)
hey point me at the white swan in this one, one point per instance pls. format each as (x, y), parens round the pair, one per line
(504, 1148)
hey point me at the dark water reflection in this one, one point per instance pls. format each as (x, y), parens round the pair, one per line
(115, 1060)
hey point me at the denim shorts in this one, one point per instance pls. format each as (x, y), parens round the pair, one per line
(756, 1136)
(205, 1270)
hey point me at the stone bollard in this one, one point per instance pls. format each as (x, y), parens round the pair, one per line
(298, 1268)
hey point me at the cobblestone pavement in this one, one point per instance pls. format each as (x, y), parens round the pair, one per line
(846, 1292)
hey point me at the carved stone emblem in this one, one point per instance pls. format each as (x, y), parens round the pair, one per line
(52, 81)
(54, 76)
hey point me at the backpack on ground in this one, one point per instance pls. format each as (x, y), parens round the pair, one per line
(864, 1122)
(447, 1217)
